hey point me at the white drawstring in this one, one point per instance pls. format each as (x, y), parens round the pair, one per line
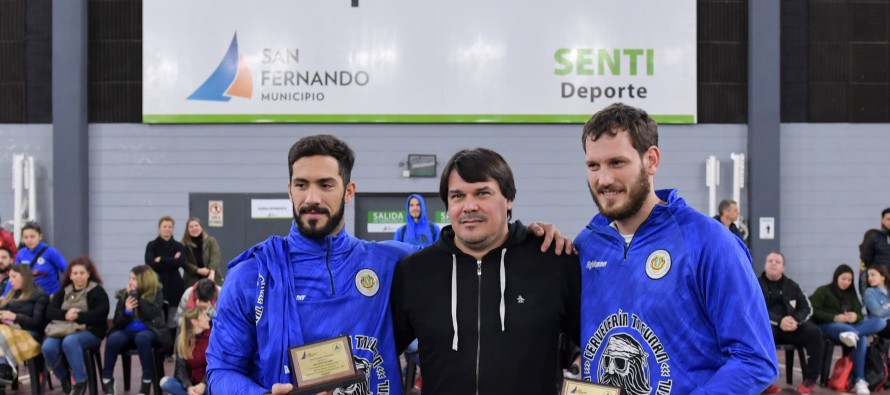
(503, 286)
(454, 300)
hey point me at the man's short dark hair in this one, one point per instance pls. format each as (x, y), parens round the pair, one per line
(478, 165)
(618, 117)
(724, 205)
(885, 212)
(8, 251)
(205, 290)
(323, 145)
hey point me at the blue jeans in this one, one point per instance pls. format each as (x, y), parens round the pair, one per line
(175, 387)
(123, 339)
(73, 346)
(868, 326)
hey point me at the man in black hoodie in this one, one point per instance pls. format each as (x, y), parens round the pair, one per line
(485, 303)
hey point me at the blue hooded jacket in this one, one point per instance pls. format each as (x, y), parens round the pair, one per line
(677, 311)
(46, 270)
(421, 233)
(288, 291)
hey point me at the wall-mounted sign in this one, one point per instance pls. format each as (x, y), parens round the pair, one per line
(458, 61)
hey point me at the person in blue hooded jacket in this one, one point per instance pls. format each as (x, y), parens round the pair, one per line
(418, 230)
(669, 301)
(46, 262)
(316, 283)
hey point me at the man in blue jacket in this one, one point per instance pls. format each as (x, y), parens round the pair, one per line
(669, 302)
(316, 283)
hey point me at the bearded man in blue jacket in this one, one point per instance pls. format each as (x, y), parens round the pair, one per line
(669, 302)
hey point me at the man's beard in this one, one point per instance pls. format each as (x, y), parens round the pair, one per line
(311, 230)
(636, 198)
(5, 269)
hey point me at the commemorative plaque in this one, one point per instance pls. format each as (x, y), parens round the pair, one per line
(323, 365)
(575, 387)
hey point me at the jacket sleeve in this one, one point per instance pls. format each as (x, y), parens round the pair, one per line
(189, 262)
(54, 307)
(803, 310)
(149, 310)
(398, 299)
(150, 255)
(233, 342)
(175, 263)
(121, 318)
(774, 317)
(58, 261)
(181, 372)
(821, 312)
(572, 300)
(97, 308)
(868, 252)
(873, 303)
(733, 302)
(215, 256)
(35, 321)
(183, 303)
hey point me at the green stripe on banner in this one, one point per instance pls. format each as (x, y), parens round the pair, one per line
(388, 118)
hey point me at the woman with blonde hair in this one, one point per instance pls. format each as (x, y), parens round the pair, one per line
(201, 254)
(139, 321)
(191, 364)
(22, 307)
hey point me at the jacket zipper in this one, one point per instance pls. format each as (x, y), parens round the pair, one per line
(478, 319)
(327, 255)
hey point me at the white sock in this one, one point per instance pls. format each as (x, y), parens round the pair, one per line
(106, 381)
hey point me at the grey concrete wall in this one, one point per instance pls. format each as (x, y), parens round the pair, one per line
(36, 141)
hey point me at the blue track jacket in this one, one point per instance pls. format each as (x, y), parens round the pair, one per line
(288, 291)
(46, 270)
(678, 311)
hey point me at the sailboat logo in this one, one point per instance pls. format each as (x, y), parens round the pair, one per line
(231, 78)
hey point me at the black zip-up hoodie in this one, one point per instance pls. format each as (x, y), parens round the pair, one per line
(488, 327)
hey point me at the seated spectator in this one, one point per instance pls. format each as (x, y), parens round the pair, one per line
(837, 310)
(138, 321)
(877, 303)
(81, 300)
(23, 308)
(46, 263)
(203, 294)
(6, 258)
(789, 313)
(201, 254)
(191, 346)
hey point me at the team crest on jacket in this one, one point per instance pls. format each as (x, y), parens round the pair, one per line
(41, 261)
(658, 264)
(367, 282)
(625, 352)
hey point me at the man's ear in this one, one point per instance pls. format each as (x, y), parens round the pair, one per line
(651, 159)
(350, 192)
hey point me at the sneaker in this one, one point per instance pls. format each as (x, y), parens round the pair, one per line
(145, 388)
(862, 387)
(108, 387)
(7, 375)
(849, 338)
(807, 387)
(772, 389)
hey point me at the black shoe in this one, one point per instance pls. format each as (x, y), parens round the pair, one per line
(66, 385)
(6, 374)
(79, 388)
(145, 388)
(108, 387)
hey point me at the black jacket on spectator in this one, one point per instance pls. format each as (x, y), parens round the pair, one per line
(95, 317)
(29, 313)
(168, 268)
(150, 312)
(877, 249)
(784, 297)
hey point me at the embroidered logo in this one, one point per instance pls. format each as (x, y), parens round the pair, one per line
(658, 264)
(520, 299)
(301, 297)
(41, 261)
(596, 264)
(367, 282)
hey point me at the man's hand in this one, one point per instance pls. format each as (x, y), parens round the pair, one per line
(551, 234)
(788, 324)
(282, 389)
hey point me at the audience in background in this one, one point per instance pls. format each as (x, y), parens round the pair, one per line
(6, 240)
(46, 263)
(837, 310)
(5, 264)
(166, 256)
(21, 309)
(202, 295)
(191, 345)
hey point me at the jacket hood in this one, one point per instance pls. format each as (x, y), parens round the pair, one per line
(516, 234)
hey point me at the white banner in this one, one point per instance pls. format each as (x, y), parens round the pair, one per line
(456, 61)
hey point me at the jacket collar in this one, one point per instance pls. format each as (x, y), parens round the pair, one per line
(341, 243)
(659, 214)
